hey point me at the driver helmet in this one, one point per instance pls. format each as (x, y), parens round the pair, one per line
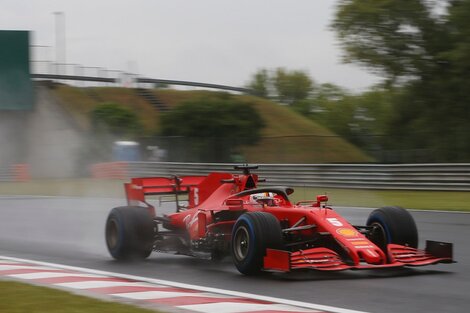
(265, 198)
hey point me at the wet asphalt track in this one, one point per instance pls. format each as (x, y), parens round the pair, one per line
(70, 231)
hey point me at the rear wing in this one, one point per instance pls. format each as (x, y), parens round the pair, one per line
(140, 187)
(198, 188)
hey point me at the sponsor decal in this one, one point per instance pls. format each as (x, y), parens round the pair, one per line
(334, 221)
(372, 253)
(347, 232)
(196, 196)
(361, 243)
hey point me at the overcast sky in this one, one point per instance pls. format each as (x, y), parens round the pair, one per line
(212, 41)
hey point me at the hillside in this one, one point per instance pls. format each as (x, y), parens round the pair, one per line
(287, 138)
(81, 101)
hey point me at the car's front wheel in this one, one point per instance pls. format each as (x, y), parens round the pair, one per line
(252, 234)
(392, 225)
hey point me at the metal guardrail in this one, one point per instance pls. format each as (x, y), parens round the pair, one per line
(192, 84)
(454, 177)
(74, 77)
(42, 67)
(139, 80)
(5, 174)
(15, 173)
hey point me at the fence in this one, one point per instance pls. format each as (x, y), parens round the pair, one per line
(79, 75)
(454, 177)
(15, 173)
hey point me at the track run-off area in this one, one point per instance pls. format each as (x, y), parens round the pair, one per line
(69, 233)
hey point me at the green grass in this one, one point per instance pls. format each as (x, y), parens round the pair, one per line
(425, 200)
(292, 138)
(65, 187)
(429, 200)
(17, 297)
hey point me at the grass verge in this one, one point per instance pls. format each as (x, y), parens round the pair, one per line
(18, 297)
(429, 200)
(65, 187)
(420, 200)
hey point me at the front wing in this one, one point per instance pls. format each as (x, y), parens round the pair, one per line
(325, 259)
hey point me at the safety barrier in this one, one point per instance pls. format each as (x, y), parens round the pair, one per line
(15, 173)
(110, 170)
(362, 176)
(139, 80)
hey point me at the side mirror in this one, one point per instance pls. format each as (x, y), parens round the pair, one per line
(234, 204)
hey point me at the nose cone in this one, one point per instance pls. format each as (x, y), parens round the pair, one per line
(371, 256)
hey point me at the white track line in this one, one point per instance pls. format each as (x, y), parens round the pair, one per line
(300, 304)
(225, 307)
(146, 295)
(9, 262)
(24, 267)
(89, 284)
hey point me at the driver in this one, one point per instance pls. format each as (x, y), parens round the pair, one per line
(263, 198)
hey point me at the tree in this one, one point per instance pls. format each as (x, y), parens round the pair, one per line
(214, 125)
(327, 93)
(425, 52)
(398, 39)
(260, 83)
(119, 120)
(292, 86)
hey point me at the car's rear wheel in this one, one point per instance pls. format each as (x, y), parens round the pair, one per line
(129, 233)
(392, 225)
(252, 234)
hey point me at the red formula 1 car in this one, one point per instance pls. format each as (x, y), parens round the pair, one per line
(262, 230)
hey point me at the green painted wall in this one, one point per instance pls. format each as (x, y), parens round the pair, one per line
(16, 88)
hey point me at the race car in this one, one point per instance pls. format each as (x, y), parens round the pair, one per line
(224, 214)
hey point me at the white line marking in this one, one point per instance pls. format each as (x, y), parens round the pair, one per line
(142, 295)
(146, 295)
(230, 307)
(301, 304)
(8, 262)
(21, 267)
(101, 284)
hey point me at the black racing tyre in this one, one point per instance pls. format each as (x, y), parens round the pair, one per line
(252, 234)
(392, 225)
(129, 233)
